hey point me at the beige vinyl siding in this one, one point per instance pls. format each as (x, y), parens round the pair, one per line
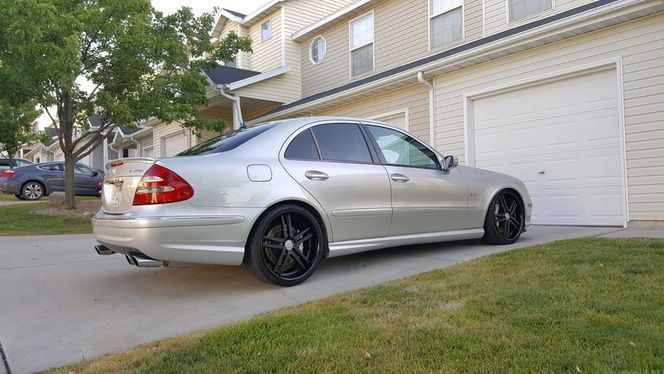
(639, 43)
(243, 58)
(472, 18)
(401, 29)
(299, 14)
(266, 55)
(414, 98)
(497, 19)
(283, 88)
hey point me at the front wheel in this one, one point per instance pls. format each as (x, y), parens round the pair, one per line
(505, 218)
(18, 196)
(32, 191)
(286, 246)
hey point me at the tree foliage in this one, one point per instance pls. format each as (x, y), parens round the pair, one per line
(16, 128)
(120, 59)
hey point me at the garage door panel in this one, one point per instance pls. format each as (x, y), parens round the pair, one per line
(571, 133)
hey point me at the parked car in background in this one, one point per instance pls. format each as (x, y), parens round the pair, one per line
(14, 163)
(36, 181)
(282, 196)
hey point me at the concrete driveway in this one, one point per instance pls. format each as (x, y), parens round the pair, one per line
(60, 303)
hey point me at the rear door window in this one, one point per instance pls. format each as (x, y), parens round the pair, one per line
(303, 147)
(342, 142)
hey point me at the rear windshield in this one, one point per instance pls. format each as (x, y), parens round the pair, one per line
(227, 142)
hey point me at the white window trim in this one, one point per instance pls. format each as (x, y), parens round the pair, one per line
(381, 116)
(311, 55)
(373, 41)
(508, 21)
(269, 20)
(463, 24)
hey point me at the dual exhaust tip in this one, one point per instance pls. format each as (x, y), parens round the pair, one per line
(134, 260)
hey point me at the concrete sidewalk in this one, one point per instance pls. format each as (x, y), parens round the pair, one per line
(61, 303)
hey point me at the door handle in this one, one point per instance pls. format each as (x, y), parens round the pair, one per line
(541, 172)
(315, 175)
(400, 178)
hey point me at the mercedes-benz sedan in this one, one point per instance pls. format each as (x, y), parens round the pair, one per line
(280, 197)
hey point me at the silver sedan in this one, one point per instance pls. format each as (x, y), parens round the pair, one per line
(280, 197)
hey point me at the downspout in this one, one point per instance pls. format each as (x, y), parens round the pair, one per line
(238, 121)
(432, 107)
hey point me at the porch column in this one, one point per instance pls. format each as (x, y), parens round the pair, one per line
(105, 151)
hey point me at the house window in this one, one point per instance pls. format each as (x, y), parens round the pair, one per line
(266, 31)
(232, 63)
(525, 8)
(445, 22)
(362, 45)
(318, 50)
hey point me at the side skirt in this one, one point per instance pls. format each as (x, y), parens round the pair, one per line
(363, 245)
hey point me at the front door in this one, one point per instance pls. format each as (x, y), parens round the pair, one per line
(425, 199)
(333, 163)
(85, 180)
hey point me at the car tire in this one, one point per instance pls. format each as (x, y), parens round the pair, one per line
(32, 191)
(505, 218)
(286, 246)
(18, 196)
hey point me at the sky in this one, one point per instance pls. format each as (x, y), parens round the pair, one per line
(199, 7)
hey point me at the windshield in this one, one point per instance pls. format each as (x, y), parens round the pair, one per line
(227, 142)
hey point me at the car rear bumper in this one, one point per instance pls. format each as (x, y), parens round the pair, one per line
(9, 187)
(194, 239)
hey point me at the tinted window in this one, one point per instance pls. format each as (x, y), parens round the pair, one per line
(4, 164)
(80, 169)
(23, 163)
(303, 147)
(51, 167)
(228, 142)
(342, 142)
(400, 149)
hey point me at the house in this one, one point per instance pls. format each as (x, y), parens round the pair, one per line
(564, 94)
(51, 151)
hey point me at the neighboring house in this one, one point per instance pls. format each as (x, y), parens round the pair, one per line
(51, 151)
(567, 95)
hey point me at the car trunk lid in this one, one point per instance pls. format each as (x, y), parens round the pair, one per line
(122, 178)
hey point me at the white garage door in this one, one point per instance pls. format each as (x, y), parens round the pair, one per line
(173, 144)
(563, 140)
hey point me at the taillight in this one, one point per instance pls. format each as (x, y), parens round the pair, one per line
(8, 174)
(160, 185)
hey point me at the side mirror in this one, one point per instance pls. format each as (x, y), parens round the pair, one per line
(450, 162)
(95, 173)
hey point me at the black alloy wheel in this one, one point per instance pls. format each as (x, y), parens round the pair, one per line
(505, 218)
(286, 246)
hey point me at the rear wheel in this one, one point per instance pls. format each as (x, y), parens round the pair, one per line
(32, 191)
(504, 219)
(286, 246)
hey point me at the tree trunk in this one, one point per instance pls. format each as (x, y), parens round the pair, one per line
(70, 192)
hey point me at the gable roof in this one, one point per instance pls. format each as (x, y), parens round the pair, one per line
(227, 74)
(95, 120)
(234, 13)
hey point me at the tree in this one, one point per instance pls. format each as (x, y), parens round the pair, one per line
(16, 128)
(122, 60)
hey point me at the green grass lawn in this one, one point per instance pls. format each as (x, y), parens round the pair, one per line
(579, 306)
(9, 197)
(19, 220)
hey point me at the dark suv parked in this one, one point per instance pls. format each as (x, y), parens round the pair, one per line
(36, 181)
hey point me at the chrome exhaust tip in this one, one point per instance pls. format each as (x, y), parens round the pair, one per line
(143, 262)
(103, 251)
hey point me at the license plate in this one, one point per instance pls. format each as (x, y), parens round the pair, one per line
(116, 193)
